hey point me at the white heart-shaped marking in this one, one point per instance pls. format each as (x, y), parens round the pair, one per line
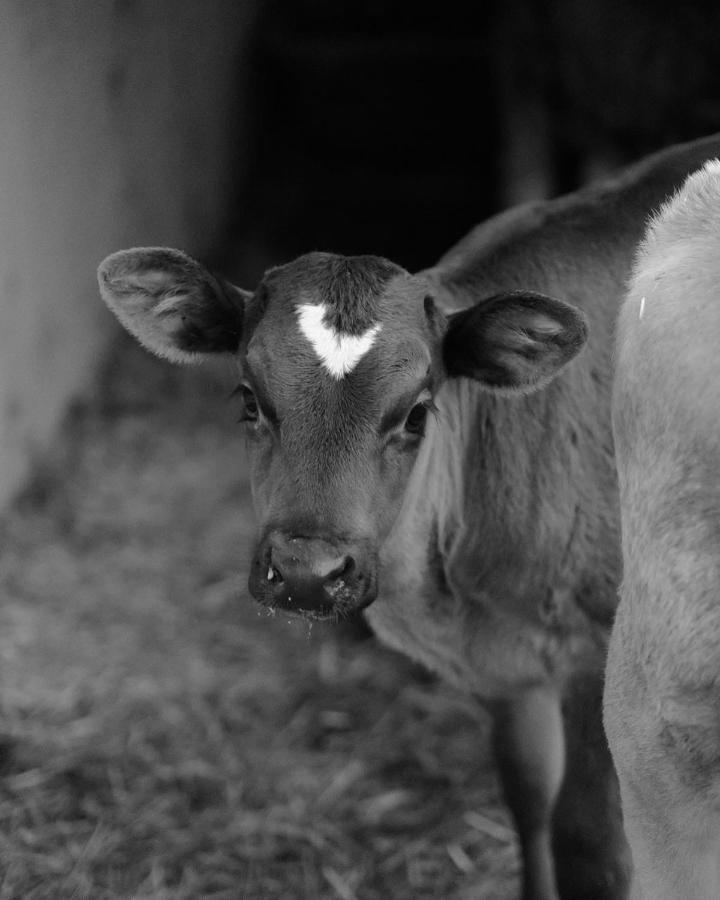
(338, 352)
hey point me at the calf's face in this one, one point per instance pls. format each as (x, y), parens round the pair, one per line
(341, 360)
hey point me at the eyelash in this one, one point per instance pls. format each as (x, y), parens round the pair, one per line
(428, 406)
(250, 409)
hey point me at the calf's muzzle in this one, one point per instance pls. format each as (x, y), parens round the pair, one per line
(311, 576)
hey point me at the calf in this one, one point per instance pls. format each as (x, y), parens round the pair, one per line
(662, 698)
(413, 452)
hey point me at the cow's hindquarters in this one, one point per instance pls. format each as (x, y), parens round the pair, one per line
(670, 807)
(662, 696)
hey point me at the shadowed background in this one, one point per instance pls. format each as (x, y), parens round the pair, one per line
(160, 738)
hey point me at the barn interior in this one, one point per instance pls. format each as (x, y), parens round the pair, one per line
(159, 737)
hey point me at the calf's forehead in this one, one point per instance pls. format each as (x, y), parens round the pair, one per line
(347, 323)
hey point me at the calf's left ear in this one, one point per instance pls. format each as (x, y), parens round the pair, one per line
(517, 341)
(171, 304)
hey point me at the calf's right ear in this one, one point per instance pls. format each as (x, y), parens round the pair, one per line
(171, 304)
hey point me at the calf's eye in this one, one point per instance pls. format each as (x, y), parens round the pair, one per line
(250, 410)
(415, 422)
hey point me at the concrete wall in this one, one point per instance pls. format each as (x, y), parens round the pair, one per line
(120, 125)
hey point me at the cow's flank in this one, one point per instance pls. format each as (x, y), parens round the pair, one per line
(437, 448)
(662, 702)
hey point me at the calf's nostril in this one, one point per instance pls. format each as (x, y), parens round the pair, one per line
(344, 569)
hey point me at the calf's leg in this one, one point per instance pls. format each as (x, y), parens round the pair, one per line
(592, 858)
(528, 740)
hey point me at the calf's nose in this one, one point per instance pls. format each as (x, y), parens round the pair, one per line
(306, 574)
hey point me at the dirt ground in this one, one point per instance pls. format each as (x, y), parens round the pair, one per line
(161, 739)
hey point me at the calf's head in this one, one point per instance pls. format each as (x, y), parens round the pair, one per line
(341, 359)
